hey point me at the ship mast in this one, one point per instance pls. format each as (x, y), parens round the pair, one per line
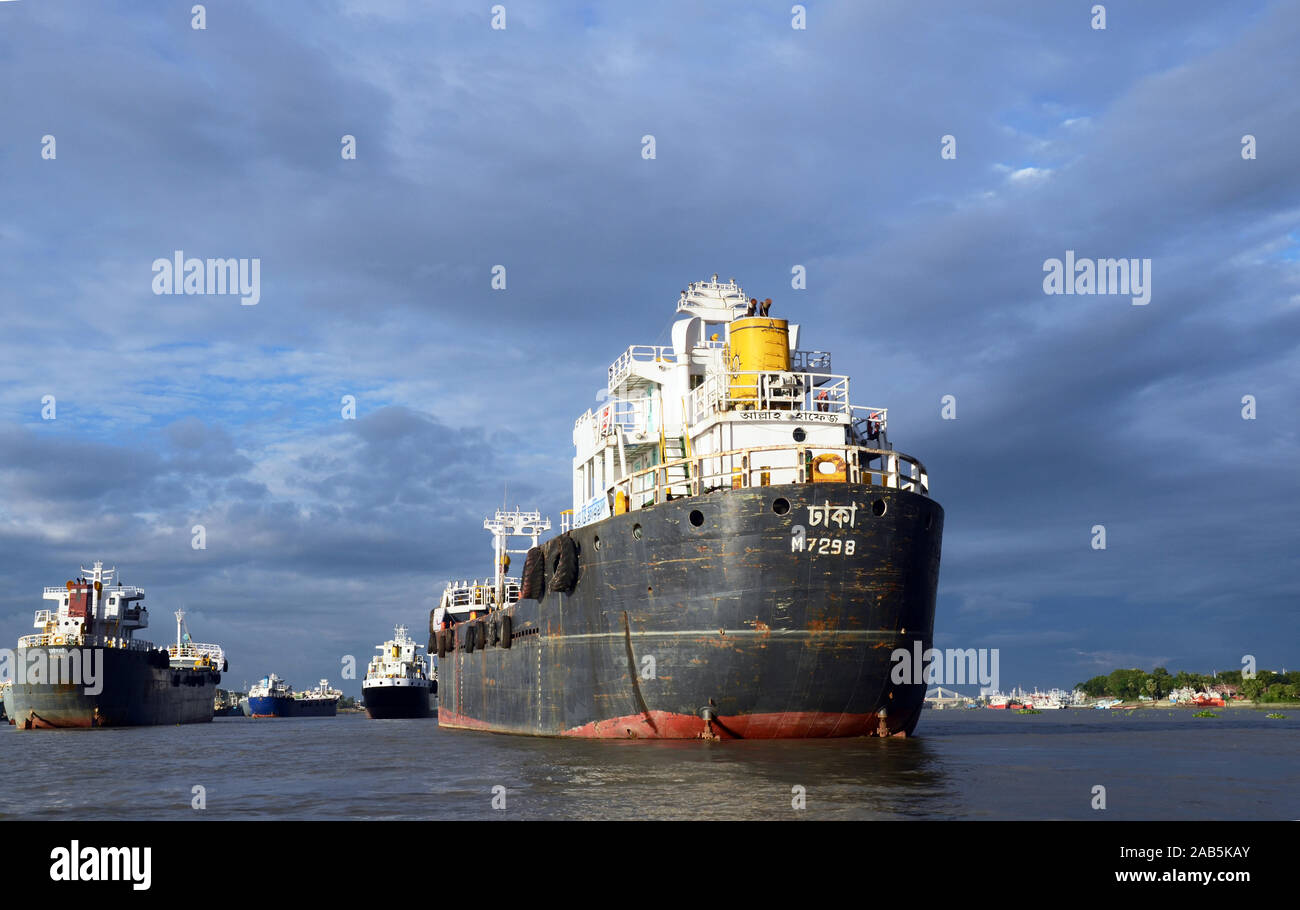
(505, 525)
(99, 579)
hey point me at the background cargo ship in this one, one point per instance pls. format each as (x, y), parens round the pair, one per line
(745, 551)
(91, 633)
(273, 697)
(397, 683)
(228, 704)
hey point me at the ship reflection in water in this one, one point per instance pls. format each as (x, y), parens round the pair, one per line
(968, 764)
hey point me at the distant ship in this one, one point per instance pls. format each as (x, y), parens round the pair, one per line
(227, 704)
(745, 554)
(86, 668)
(273, 697)
(1055, 700)
(1016, 701)
(397, 682)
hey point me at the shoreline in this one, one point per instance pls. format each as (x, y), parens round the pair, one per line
(1266, 706)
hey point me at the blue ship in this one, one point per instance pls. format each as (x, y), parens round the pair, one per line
(273, 697)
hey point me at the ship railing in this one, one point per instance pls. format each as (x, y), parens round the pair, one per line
(197, 651)
(761, 466)
(463, 595)
(617, 414)
(621, 368)
(818, 396)
(128, 590)
(871, 424)
(54, 639)
(810, 361)
(566, 521)
(116, 641)
(44, 616)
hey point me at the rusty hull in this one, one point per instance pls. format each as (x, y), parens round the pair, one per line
(722, 630)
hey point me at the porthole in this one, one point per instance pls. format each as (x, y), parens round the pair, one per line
(595, 542)
(697, 517)
(799, 434)
(878, 508)
(636, 531)
(781, 506)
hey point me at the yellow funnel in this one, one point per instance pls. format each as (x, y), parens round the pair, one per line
(758, 345)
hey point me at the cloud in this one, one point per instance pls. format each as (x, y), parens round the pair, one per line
(522, 148)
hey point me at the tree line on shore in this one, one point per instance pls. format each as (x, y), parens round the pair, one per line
(1265, 686)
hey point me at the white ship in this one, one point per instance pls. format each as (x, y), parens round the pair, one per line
(1054, 700)
(397, 682)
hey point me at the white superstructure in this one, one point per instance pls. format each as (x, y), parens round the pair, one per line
(93, 611)
(397, 664)
(733, 402)
(270, 687)
(320, 691)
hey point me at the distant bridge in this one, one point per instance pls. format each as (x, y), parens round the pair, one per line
(939, 697)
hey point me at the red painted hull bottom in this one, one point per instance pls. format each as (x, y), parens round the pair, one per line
(666, 725)
(36, 722)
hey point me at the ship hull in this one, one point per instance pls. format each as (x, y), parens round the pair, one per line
(313, 707)
(133, 692)
(266, 706)
(274, 706)
(729, 628)
(398, 701)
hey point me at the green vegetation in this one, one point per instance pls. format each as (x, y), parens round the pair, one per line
(1205, 714)
(1266, 687)
(1275, 715)
(347, 702)
(1028, 711)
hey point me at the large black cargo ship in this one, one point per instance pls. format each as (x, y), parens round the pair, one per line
(745, 554)
(85, 668)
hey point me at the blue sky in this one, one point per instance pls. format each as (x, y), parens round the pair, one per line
(775, 147)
